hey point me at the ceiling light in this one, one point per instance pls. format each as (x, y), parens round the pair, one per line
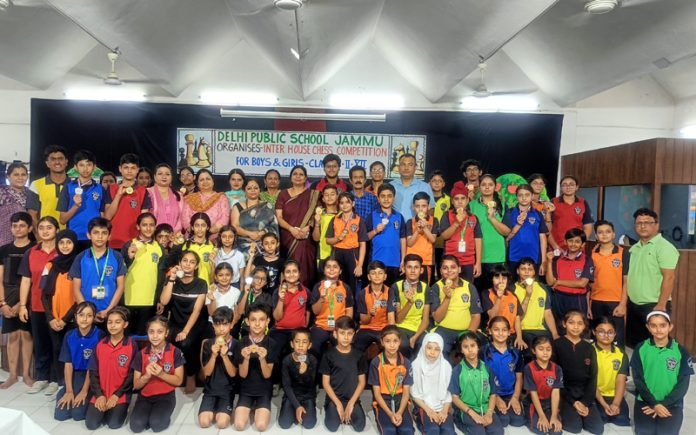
(295, 53)
(688, 132)
(4, 4)
(105, 94)
(500, 103)
(239, 98)
(287, 5)
(597, 7)
(366, 101)
(257, 114)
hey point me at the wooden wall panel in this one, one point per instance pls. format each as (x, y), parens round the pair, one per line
(684, 301)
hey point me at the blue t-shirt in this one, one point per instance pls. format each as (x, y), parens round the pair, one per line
(386, 246)
(505, 366)
(92, 205)
(525, 243)
(85, 269)
(77, 348)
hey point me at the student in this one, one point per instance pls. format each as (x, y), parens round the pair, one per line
(412, 314)
(390, 377)
(506, 363)
(471, 170)
(474, 390)
(609, 295)
(543, 380)
(106, 179)
(299, 370)
(612, 371)
(144, 177)
(454, 303)
(184, 296)
(377, 174)
(48, 188)
(365, 202)
(442, 204)
(76, 350)
(421, 231)
(387, 231)
(98, 273)
(525, 231)
(290, 307)
(255, 358)
(661, 370)
(164, 233)
(187, 178)
(578, 360)
(330, 299)
(332, 165)
(199, 243)
(347, 235)
(219, 371)
(570, 287)
(143, 256)
(31, 269)
(269, 258)
(57, 296)
(500, 300)
(158, 368)
(124, 202)
(19, 336)
(431, 377)
(462, 235)
(376, 305)
(343, 370)
(228, 253)
(536, 316)
(82, 199)
(538, 183)
(253, 293)
(570, 211)
(222, 293)
(110, 374)
(323, 216)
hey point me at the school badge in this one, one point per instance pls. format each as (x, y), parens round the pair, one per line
(578, 273)
(399, 378)
(155, 258)
(167, 367)
(615, 364)
(511, 366)
(541, 302)
(465, 298)
(549, 381)
(577, 210)
(122, 360)
(206, 256)
(671, 364)
(133, 203)
(95, 196)
(485, 383)
(301, 300)
(108, 270)
(615, 263)
(354, 228)
(472, 224)
(86, 353)
(396, 225)
(587, 361)
(339, 298)
(511, 308)
(443, 206)
(419, 304)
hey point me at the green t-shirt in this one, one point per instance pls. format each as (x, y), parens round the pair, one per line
(659, 369)
(644, 275)
(493, 243)
(475, 385)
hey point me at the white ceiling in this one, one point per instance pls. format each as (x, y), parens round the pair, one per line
(425, 47)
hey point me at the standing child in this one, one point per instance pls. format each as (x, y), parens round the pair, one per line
(661, 370)
(184, 295)
(253, 293)
(387, 231)
(222, 293)
(612, 371)
(158, 369)
(462, 234)
(536, 316)
(290, 308)
(255, 358)
(570, 287)
(421, 231)
(143, 257)
(578, 360)
(110, 374)
(219, 370)
(506, 363)
(19, 340)
(228, 253)
(347, 234)
(124, 202)
(543, 380)
(200, 244)
(76, 351)
(442, 204)
(474, 391)
(343, 370)
(299, 371)
(269, 259)
(500, 300)
(609, 295)
(525, 231)
(330, 299)
(412, 313)
(376, 305)
(322, 218)
(431, 377)
(390, 377)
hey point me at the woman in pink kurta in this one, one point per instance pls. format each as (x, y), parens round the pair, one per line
(166, 204)
(208, 201)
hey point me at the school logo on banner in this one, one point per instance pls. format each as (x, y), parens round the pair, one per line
(122, 360)
(671, 363)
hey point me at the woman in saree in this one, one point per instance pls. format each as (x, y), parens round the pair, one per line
(252, 218)
(206, 200)
(295, 210)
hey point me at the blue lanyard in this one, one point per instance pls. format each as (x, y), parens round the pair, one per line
(96, 265)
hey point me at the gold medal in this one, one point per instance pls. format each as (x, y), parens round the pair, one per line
(491, 204)
(318, 210)
(129, 190)
(183, 190)
(220, 341)
(470, 187)
(449, 283)
(421, 215)
(529, 281)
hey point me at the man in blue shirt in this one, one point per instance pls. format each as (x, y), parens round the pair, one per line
(365, 202)
(407, 186)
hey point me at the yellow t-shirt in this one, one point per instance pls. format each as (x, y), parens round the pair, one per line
(414, 316)
(141, 277)
(458, 315)
(609, 366)
(205, 252)
(533, 318)
(324, 248)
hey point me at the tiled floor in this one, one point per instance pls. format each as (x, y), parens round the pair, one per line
(40, 410)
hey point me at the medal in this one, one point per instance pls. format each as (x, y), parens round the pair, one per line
(220, 341)
(180, 274)
(421, 215)
(327, 283)
(78, 191)
(129, 190)
(556, 252)
(529, 281)
(449, 283)
(460, 211)
(183, 190)
(318, 210)
(344, 233)
(302, 358)
(470, 187)
(248, 280)
(491, 204)
(153, 358)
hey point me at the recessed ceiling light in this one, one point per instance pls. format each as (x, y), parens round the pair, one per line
(239, 98)
(597, 7)
(288, 5)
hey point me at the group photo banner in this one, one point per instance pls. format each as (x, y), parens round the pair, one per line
(257, 151)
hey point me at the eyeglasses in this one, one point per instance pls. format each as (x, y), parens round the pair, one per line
(568, 185)
(606, 333)
(645, 224)
(377, 170)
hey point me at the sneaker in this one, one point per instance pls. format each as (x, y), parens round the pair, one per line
(276, 390)
(38, 386)
(51, 389)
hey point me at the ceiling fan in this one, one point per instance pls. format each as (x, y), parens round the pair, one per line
(273, 5)
(593, 8)
(482, 91)
(112, 78)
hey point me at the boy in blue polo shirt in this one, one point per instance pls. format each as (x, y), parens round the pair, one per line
(387, 230)
(82, 199)
(98, 273)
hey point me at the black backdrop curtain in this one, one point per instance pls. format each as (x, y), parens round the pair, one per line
(503, 142)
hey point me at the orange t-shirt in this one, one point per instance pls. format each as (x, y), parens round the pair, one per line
(384, 304)
(422, 247)
(337, 300)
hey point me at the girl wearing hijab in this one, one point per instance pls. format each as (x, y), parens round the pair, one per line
(57, 293)
(431, 377)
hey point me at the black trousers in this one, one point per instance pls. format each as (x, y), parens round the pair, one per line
(286, 415)
(191, 346)
(606, 308)
(646, 425)
(43, 348)
(636, 331)
(333, 422)
(153, 412)
(114, 417)
(574, 423)
(137, 323)
(57, 367)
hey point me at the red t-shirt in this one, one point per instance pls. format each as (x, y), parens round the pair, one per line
(568, 216)
(294, 309)
(32, 266)
(129, 208)
(170, 358)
